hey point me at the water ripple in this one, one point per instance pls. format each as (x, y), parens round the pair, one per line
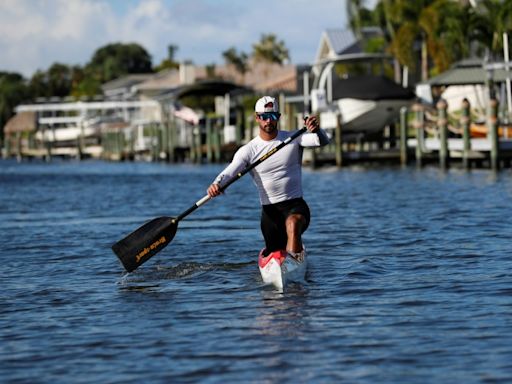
(409, 279)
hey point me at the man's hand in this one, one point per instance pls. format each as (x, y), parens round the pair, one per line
(214, 190)
(312, 124)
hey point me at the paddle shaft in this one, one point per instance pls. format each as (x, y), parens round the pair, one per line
(240, 174)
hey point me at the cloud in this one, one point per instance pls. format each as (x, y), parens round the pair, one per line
(37, 33)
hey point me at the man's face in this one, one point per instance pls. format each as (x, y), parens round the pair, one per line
(268, 121)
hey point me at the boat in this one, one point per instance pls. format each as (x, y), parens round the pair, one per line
(481, 130)
(367, 104)
(65, 134)
(350, 83)
(279, 268)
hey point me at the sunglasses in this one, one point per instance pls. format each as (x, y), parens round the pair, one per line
(272, 116)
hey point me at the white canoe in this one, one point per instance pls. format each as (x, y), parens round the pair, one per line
(279, 268)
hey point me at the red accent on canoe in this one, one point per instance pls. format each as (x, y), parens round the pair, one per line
(280, 256)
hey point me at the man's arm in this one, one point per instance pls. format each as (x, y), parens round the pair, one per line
(237, 165)
(313, 126)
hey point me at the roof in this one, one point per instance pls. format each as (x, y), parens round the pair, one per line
(264, 77)
(21, 122)
(261, 76)
(204, 87)
(342, 41)
(336, 42)
(166, 79)
(169, 79)
(126, 81)
(469, 72)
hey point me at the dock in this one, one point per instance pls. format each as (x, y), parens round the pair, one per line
(423, 135)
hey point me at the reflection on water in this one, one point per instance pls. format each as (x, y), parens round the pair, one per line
(283, 314)
(409, 279)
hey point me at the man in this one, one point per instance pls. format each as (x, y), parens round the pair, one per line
(285, 215)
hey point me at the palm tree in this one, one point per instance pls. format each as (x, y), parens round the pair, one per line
(238, 60)
(440, 24)
(355, 9)
(493, 18)
(445, 30)
(439, 27)
(403, 22)
(271, 50)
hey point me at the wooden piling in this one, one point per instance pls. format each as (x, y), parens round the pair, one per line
(7, 146)
(19, 155)
(166, 139)
(338, 142)
(403, 135)
(119, 144)
(216, 140)
(492, 126)
(155, 141)
(465, 122)
(172, 138)
(209, 140)
(191, 145)
(442, 126)
(48, 144)
(240, 125)
(79, 148)
(419, 115)
(197, 144)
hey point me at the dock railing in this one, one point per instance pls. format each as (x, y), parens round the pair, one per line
(458, 137)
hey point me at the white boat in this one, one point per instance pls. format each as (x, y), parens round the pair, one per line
(367, 104)
(279, 268)
(71, 133)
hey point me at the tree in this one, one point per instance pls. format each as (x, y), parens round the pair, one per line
(170, 62)
(13, 91)
(115, 60)
(492, 19)
(38, 85)
(403, 27)
(59, 80)
(271, 50)
(441, 24)
(88, 86)
(445, 30)
(359, 16)
(210, 71)
(436, 26)
(236, 59)
(171, 51)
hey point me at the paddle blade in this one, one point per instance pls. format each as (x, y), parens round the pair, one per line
(140, 245)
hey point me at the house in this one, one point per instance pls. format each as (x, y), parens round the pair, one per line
(343, 45)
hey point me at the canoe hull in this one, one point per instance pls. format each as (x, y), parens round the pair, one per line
(278, 269)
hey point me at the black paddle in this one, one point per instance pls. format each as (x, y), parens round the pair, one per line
(140, 245)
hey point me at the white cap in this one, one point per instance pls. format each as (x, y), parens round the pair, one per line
(266, 104)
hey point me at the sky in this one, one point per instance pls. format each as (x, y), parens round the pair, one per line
(34, 34)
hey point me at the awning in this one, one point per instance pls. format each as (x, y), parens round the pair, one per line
(468, 72)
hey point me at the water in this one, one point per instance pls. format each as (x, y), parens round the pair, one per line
(409, 279)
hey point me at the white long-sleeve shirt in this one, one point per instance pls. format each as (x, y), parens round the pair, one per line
(279, 177)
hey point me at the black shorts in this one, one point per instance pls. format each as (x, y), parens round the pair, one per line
(273, 221)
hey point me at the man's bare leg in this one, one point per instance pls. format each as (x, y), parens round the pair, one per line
(294, 225)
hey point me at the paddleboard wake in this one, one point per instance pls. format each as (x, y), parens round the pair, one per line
(279, 268)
